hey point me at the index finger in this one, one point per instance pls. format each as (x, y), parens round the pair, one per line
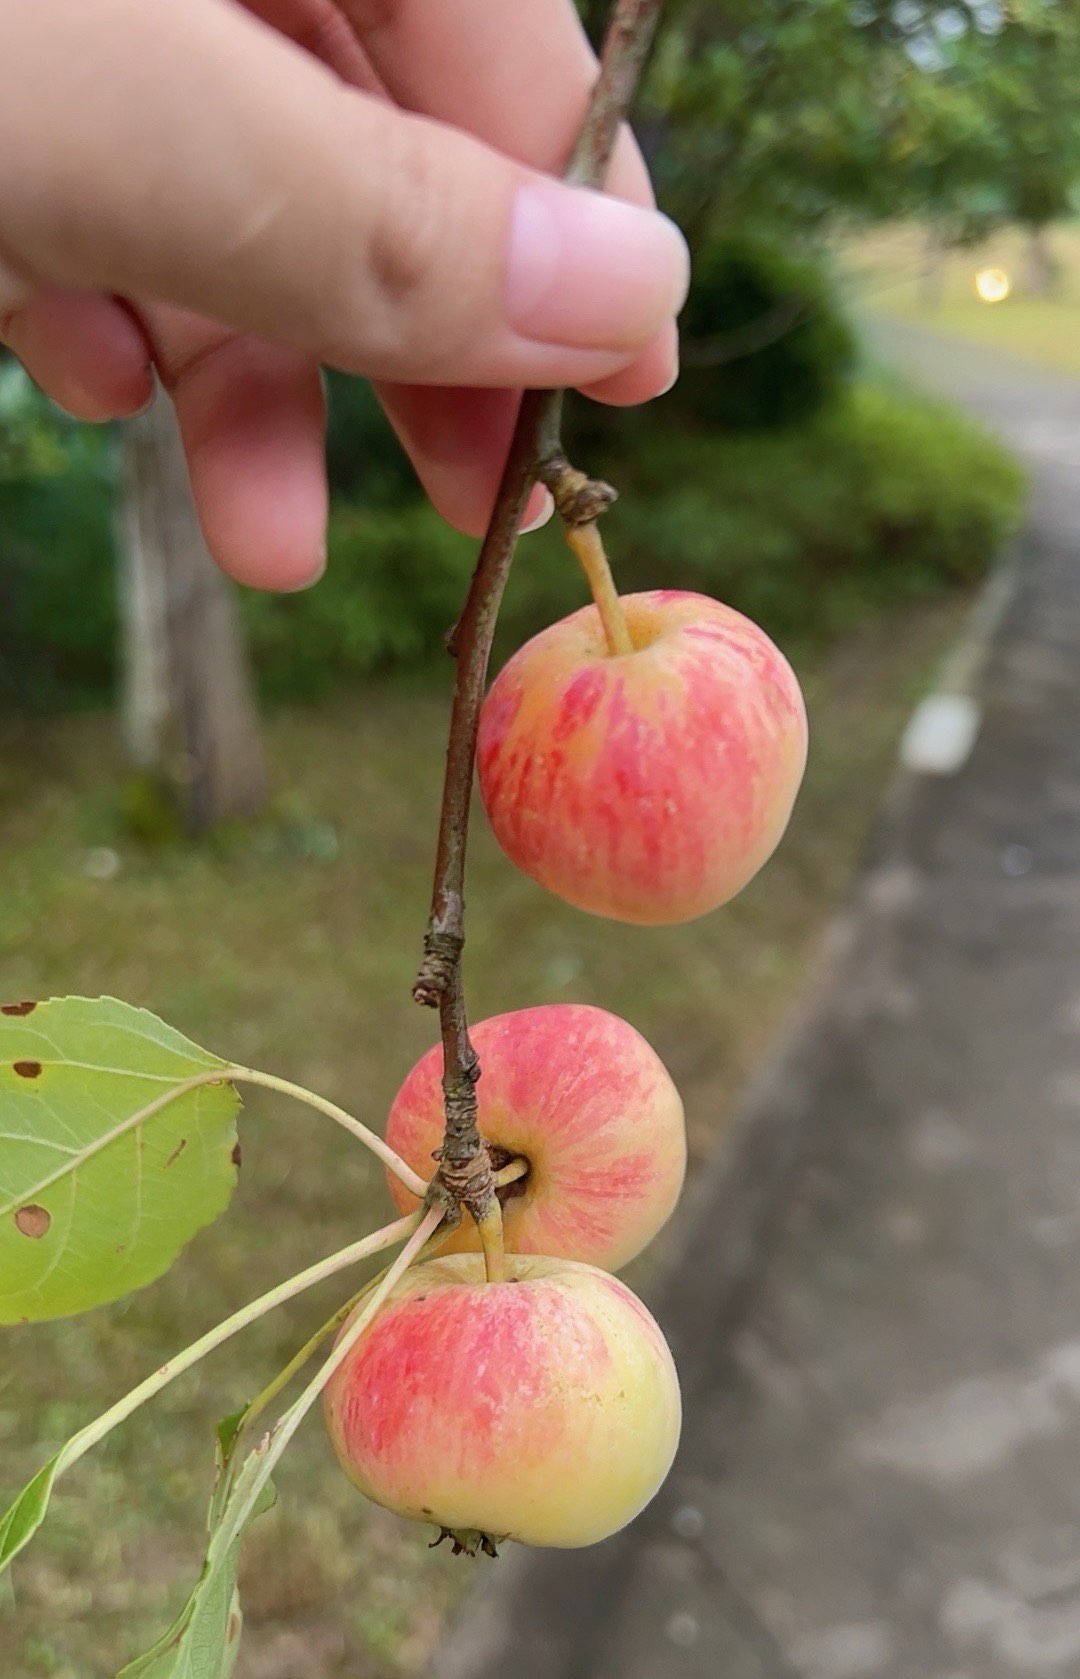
(516, 76)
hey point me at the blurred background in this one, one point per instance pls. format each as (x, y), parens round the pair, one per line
(222, 805)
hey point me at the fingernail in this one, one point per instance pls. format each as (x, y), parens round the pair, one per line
(672, 378)
(145, 407)
(590, 271)
(669, 340)
(314, 577)
(542, 500)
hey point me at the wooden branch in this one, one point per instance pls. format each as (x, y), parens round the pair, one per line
(464, 1168)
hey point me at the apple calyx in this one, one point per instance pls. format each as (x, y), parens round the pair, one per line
(466, 1541)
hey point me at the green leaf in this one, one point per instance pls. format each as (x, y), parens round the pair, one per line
(204, 1640)
(201, 1643)
(226, 1434)
(22, 1519)
(19, 1524)
(95, 1198)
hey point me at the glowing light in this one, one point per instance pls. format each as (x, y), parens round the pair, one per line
(993, 285)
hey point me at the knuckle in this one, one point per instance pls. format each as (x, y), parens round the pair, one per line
(412, 254)
(408, 232)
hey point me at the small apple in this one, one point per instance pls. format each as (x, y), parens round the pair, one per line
(544, 1408)
(647, 786)
(584, 1099)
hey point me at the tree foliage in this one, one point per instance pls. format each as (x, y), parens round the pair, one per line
(1026, 77)
(778, 116)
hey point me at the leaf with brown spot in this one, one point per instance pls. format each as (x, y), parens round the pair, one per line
(124, 1192)
(33, 1221)
(25, 1007)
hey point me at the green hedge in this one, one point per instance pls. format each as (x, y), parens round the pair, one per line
(881, 496)
(58, 616)
(393, 587)
(764, 341)
(884, 496)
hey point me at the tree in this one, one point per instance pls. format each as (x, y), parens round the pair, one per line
(1031, 73)
(187, 708)
(775, 118)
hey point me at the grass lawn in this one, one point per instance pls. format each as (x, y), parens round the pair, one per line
(293, 949)
(884, 269)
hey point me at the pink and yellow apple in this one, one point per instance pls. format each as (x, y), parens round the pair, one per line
(648, 786)
(544, 1408)
(591, 1107)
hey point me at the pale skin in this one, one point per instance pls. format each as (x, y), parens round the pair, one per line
(231, 194)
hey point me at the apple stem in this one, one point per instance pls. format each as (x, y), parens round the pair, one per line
(511, 1172)
(464, 1173)
(490, 1227)
(586, 543)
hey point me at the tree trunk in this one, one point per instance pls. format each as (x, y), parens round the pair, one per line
(188, 713)
(930, 284)
(1041, 269)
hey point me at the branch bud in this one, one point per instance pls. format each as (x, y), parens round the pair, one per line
(578, 498)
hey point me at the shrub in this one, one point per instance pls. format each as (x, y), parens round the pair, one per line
(784, 348)
(883, 496)
(364, 460)
(57, 588)
(394, 584)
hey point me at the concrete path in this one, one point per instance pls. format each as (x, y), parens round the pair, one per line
(880, 1474)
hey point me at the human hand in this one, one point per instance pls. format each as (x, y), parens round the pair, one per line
(232, 194)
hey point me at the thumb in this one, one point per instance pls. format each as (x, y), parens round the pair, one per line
(193, 155)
